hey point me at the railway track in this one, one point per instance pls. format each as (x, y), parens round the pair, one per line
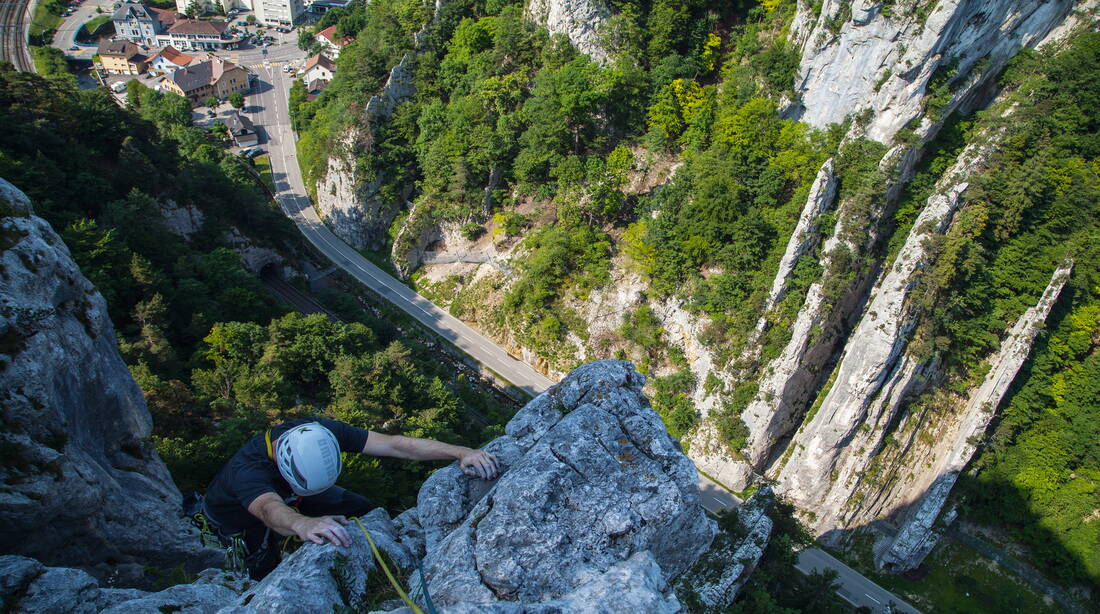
(296, 300)
(13, 34)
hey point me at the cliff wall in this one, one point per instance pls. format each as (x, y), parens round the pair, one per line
(81, 484)
(915, 61)
(351, 207)
(579, 20)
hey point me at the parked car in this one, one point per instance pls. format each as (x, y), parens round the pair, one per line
(256, 151)
(74, 48)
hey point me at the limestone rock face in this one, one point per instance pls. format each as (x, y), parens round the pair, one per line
(580, 20)
(888, 64)
(80, 483)
(916, 538)
(352, 208)
(592, 479)
(596, 508)
(319, 578)
(719, 575)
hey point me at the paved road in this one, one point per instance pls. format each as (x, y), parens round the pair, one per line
(714, 496)
(854, 587)
(65, 37)
(270, 106)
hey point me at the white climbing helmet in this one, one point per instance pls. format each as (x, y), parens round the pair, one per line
(308, 456)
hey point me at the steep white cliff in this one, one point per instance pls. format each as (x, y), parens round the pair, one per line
(915, 539)
(80, 483)
(831, 451)
(580, 20)
(915, 57)
(352, 208)
(805, 237)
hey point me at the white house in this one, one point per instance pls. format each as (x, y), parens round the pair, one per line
(331, 41)
(318, 67)
(142, 24)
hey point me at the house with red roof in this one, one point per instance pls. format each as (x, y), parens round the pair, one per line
(331, 41)
(318, 67)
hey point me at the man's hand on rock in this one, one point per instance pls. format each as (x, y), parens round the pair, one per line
(323, 528)
(479, 463)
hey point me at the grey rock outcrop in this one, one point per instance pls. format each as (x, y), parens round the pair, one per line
(321, 578)
(916, 539)
(81, 484)
(30, 587)
(592, 479)
(596, 510)
(717, 578)
(889, 64)
(580, 20)
(354, 209)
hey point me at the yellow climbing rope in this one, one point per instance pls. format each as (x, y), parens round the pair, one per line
(393, 582)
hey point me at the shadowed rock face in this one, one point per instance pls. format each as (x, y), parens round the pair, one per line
(75, 427)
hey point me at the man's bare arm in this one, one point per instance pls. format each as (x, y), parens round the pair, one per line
(473, 462)
(285, 520)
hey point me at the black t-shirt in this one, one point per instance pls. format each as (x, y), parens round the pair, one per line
(250, 473)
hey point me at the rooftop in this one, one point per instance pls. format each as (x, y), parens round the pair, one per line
(239, 124)
(329, 34)
(320, 60)
(175, 56)
(119, 49)
(197, 75)
(195, 26)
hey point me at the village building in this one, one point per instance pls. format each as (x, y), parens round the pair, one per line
(318, 67)
(198, 35)
(218, 78)
(241, 130)
(121, 57)
(314, 89)
(208, 6)
(331, 42)
(287, 13)
(142, 24)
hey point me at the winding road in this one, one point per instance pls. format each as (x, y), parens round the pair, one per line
(271, 112)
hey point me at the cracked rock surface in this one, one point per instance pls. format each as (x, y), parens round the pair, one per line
(592, 478)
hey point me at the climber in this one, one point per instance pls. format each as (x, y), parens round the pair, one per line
(282, 483)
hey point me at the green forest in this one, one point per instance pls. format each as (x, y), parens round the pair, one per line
(217, 358)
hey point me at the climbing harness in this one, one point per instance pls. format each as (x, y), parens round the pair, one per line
(233, 545)
(393, 582)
